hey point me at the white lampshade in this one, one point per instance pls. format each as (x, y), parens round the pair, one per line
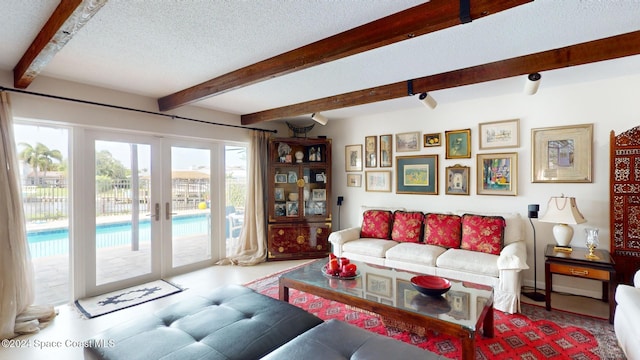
(562, 211)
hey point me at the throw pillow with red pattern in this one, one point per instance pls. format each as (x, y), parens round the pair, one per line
(376, 224)
(483, 233)
(443, 230)
(407, 226)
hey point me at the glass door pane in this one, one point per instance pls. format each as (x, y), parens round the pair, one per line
(124, 212)
(190, 205)
(43, 159)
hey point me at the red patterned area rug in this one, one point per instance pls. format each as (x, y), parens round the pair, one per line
(533, 334)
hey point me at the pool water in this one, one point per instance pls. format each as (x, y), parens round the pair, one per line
(56, 241)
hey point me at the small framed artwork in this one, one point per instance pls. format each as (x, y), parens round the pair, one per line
(314, 153)
(321, 178)
(430, 140)
(319, 194)
(354, 180)
(417, 174)
(386, 150)
(281, 178)
(278, 194)
(459, 302)
(407, 141)
(292, 208)
(293, 177)
(457, 180)
(280, 209)
(370, 151)
(379, 285)
(378, 181)
(562, 154)
(458, 144)
(499, 134)
(353, 157)
(497, 174)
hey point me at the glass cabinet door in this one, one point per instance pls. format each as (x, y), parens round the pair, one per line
(287, 193)
(315, 191)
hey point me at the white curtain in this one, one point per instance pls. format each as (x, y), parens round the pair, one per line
(17, 316)
(253, 238)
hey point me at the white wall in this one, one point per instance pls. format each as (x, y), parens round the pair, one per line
(64, 112)
(609, 105)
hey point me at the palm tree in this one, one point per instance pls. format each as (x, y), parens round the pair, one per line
(40, 158)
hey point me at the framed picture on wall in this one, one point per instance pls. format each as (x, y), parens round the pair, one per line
(353, 157)
(499, 134)
(458, 144)
(370, 151)
(407, 141)
(417, 174)
(457, 180)
(431, 140)
(378, 181)
(386, 150)
(497, 174)
(354, 180)
(562, 154)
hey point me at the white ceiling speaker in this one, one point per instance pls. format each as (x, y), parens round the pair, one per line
(532, 84)
(319, 118)
(428, 100)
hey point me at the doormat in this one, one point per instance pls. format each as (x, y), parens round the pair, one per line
(121, 299)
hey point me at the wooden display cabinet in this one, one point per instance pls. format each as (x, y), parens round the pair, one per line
(299, 198)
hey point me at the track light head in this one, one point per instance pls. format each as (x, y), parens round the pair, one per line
(428, 100)
(319, 118)
(532, 84)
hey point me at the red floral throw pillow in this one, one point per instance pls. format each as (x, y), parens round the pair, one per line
(407, 226)
(376, 224)
(443, 230)
(483, 233)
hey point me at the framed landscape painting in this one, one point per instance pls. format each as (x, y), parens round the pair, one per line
(457, 180)
(379, 181)
(417, 174)
(499, 134)
(407, 141)
(386, 150)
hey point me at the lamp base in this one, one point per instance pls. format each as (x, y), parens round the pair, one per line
(535, 296)
(563, 234)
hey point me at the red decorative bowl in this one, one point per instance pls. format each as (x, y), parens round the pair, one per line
(430, 285)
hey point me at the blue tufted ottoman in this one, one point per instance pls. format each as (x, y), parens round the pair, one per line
(231, 322)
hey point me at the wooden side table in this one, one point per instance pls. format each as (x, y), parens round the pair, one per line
(575, 263)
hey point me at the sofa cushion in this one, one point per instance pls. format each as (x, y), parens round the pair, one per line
(443, 230)
(422, 254)
(407, 226)
(376, 224)
(514, 228)
(469, 261)
(482, 233)
(369, 247)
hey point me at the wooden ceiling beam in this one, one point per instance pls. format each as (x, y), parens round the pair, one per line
(584, 53)
(418, 20)
(68, 17)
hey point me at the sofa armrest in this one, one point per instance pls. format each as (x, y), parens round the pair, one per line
(513, 257)
(636, 279)
(338, 238)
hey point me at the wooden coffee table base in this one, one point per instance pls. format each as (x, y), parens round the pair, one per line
(467, 336)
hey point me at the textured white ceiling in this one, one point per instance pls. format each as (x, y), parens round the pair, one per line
(156, 48)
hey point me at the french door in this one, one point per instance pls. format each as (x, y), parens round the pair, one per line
(150, 209)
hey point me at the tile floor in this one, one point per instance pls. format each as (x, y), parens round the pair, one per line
(69, 325)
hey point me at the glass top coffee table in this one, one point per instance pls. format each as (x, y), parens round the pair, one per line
(463, 311)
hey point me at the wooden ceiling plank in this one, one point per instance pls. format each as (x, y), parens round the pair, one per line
(68, 17)
(418, 20)
(584, 53)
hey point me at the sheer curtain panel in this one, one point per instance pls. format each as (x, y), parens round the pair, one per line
(17, 315)
(253, 238)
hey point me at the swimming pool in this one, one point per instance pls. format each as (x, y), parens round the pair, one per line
(56, 241)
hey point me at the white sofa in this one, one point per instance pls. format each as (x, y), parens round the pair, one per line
(627, 318)
(502, 272)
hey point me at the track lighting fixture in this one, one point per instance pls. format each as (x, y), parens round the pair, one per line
(532, 84)
(428, 100)
(319, 118)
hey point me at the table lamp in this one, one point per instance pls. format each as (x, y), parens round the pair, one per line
(562, 211)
